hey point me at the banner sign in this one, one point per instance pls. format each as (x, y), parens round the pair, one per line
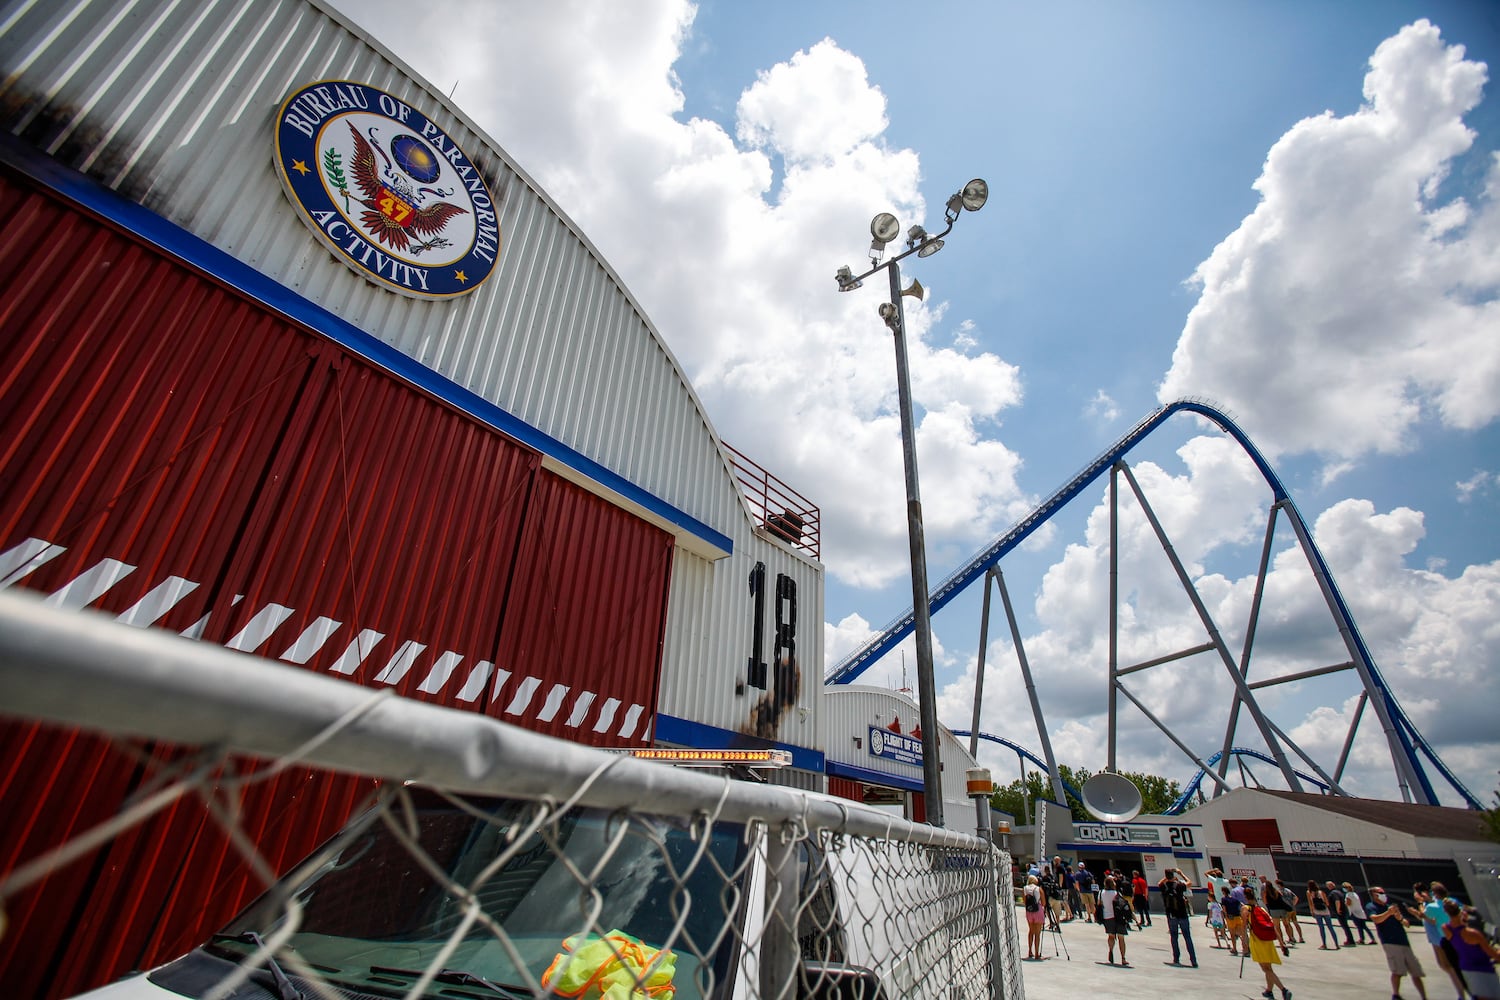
(1109, 833)
(1316, 846)
(895, 746)
(1169, 838)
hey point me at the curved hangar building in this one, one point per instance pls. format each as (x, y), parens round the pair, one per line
(297, 360)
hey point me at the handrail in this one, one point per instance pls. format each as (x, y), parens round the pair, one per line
(781, 511)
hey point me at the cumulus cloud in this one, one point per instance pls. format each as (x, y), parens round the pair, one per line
(775, 111)
(746, 227)
(1358, 298)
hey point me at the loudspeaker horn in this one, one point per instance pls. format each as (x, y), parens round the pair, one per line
(1111, 798)
(915, 290)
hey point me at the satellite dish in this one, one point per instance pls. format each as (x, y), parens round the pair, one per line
(1111, 798)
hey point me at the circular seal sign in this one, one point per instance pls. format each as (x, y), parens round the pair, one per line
(387, 190)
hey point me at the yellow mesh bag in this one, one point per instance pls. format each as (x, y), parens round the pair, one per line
(613, 967)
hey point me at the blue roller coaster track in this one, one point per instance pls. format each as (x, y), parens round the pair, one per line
(1401, 730)
(1021, 751)
(1191, 790)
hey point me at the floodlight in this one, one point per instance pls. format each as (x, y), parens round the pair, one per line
(975, 194)
(884, 228)
(930, 247)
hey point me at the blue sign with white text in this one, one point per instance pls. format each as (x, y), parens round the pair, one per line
(895, 746)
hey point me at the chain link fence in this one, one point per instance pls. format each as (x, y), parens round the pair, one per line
(495, 862)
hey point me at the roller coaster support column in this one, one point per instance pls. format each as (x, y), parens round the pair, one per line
(984, 642)
(1413, 787)
(1059, 796)
(1114, 607)
(1272, 743)
(1260, 590)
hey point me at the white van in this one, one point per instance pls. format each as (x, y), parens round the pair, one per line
(368, 914)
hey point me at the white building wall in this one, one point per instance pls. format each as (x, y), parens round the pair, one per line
(1297, 821)
(851, 709)
(706, 651)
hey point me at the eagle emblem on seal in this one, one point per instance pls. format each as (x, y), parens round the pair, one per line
(395, 192)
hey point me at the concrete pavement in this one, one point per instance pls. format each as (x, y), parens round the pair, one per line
(1309, 973)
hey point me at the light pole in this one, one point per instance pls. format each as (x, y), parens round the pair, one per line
(884, 228)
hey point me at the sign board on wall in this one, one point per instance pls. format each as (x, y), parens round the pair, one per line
(386, 189)
(1052, 823)
(1138, 835)
(895, 746)
(1316, 846)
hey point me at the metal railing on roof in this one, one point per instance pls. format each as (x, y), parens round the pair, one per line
(784, 513)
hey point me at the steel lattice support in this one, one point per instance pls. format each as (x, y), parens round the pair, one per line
(1407, 745)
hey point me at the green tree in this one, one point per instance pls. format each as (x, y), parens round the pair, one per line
(1490, 818)
(1157, 793)
(1011, 799)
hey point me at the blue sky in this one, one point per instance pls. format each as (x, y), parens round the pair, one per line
(1186, 198)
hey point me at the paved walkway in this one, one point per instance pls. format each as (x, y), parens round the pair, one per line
(1309, 973)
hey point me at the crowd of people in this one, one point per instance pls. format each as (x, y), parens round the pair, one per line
(1256, 917)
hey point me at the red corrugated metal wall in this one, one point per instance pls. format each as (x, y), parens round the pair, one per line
(583, 561)
(175, 454)
(846, 788)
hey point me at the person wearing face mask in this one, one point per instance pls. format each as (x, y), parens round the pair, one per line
(1391, 920)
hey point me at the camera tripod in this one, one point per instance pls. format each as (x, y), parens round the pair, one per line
(1057, 935)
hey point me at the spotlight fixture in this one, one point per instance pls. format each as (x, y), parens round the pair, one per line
(975, 194)
(971, 198)
(930, 246)
(846, 280)
(884, 228)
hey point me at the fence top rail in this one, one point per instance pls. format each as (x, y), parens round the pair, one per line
(87, 670)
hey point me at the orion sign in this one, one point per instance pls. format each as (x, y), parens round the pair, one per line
(387, 190)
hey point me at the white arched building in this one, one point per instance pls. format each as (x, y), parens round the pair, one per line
(298, 360)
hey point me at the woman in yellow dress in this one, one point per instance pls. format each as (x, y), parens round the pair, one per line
(1263, 950)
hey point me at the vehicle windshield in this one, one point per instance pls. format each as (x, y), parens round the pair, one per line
(372, 915)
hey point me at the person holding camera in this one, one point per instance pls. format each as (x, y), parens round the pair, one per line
(1390, 928)
(1086, 891)
(1057, 897)
(1174, 888)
